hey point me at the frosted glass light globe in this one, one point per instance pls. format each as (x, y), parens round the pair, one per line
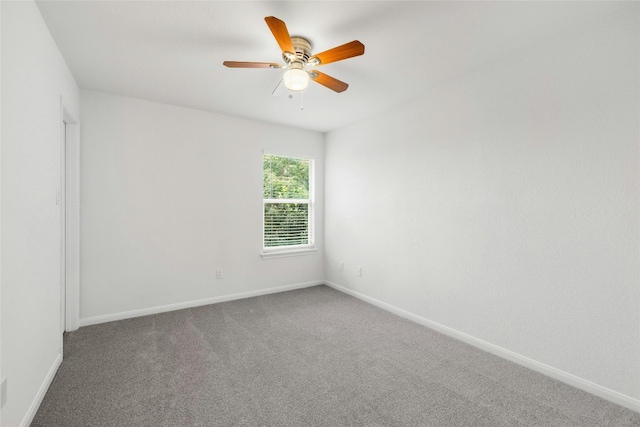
(296, 78)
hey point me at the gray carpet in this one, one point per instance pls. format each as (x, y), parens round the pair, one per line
(310, 357)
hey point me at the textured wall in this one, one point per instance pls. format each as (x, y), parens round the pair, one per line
(505, 205)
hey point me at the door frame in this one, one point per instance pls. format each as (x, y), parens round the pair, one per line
(70, 219)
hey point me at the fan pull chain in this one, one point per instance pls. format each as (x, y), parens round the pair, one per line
(301, 100)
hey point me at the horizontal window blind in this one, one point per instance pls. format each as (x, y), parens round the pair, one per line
(286, 224)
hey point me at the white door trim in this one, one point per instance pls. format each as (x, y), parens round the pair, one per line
(71, 287)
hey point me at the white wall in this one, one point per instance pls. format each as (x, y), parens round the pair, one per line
(168, 195)
(505, 205)
(34, 77)
(1, 375)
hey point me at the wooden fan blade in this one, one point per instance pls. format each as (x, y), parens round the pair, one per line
(236, 64)
(328, 81)
(347, 50)
(280, 32)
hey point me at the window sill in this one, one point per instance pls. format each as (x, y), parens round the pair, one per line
(288, 253)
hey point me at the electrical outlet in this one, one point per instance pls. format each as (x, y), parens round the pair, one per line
(341, 266)
(359, 271)
(218, 273)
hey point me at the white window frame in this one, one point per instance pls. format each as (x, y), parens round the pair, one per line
(294, 250)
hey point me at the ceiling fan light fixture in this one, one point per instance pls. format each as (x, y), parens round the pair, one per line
(296, 53)
(296, 78)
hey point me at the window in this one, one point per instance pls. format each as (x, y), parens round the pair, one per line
(287, 204)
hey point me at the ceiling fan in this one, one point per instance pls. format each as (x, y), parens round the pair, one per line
(296, 52)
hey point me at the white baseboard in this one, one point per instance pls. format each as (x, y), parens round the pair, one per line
(33, 408)
(582, 384)
(196, 303)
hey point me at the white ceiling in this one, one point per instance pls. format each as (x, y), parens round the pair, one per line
(172, 52)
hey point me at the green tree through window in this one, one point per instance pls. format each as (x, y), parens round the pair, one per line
(287, 201)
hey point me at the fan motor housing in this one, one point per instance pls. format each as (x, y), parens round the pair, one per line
(302, 52)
